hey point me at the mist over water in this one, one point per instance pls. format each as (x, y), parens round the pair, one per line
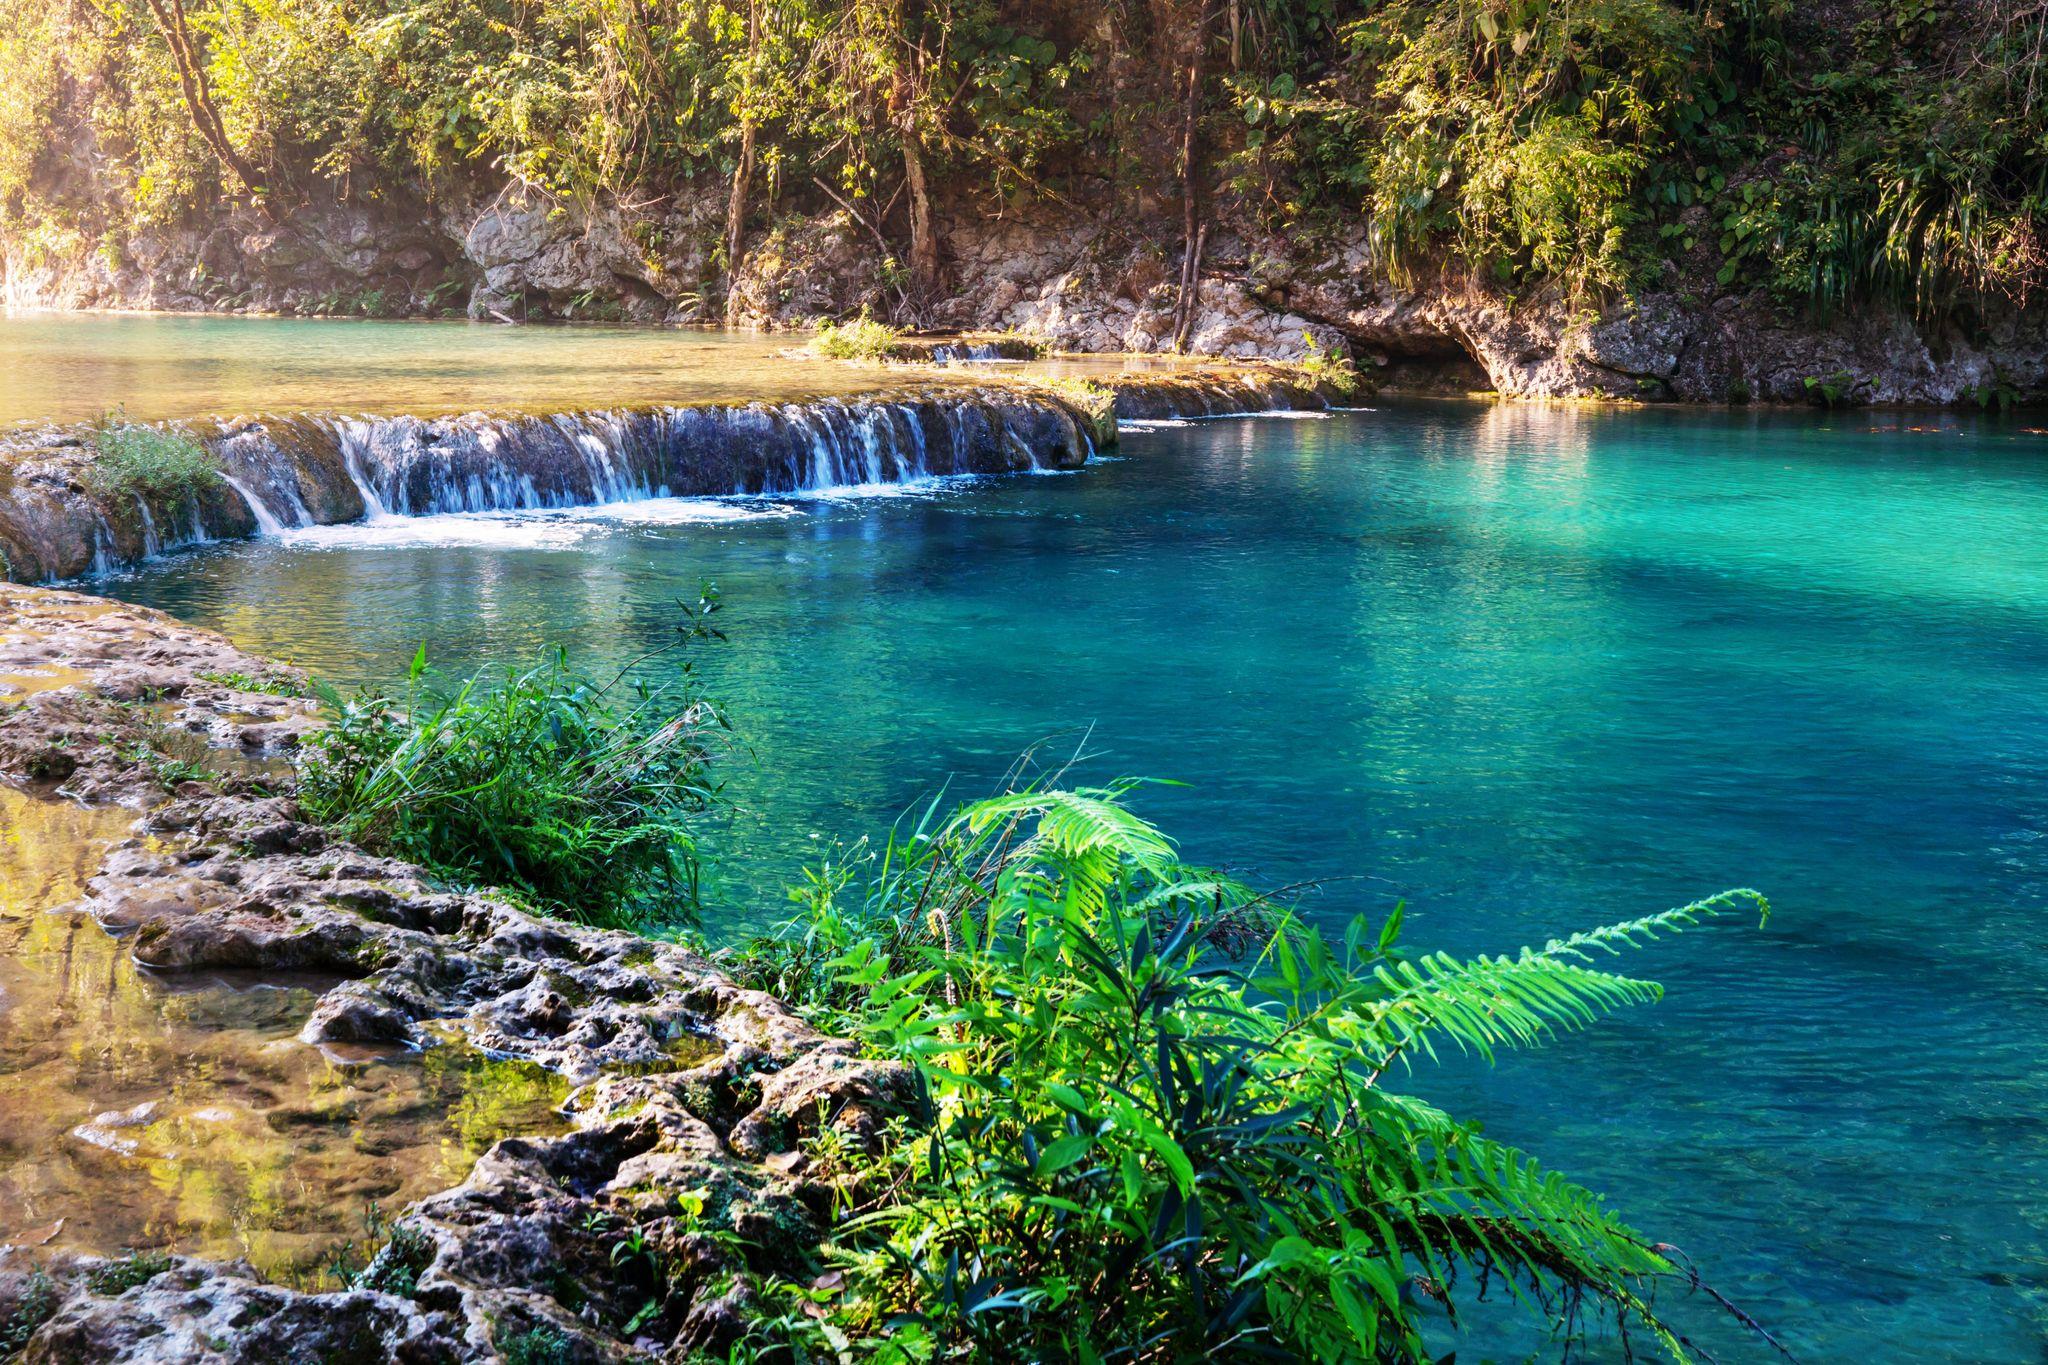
(1526, 668)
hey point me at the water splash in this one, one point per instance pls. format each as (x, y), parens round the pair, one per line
(267, 523)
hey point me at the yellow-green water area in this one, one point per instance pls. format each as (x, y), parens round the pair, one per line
(63, 367)
(180, 1112)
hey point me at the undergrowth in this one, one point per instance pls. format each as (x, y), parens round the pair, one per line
(34, 1305)
(575, 792)
(116, 1277)
(163, 466)
(1327, 369)
(861, 339)
(1096, 402)
(1155, 1116)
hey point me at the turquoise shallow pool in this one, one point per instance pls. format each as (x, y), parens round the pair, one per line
(1526, 668)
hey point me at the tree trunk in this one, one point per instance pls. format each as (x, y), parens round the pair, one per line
(924, 241)
(1190, 186)
(736, 214)
(1192, 298)
(742, 174)
(198, 92)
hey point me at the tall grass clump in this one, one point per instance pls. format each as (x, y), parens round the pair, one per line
(1156, 1114)
(861, 339)
(161, 465)
(574, 793)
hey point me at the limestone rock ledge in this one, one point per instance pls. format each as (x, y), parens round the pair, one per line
(687, 1083)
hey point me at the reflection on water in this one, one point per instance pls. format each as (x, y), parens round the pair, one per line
(180, 1111)
(69, 367)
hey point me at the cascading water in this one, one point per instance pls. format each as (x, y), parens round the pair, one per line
(282, 473)
(266, 521)
(410, 467)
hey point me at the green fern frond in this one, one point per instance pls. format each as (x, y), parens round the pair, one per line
(1613, 938)
(1489, 1002)
(1077, 823)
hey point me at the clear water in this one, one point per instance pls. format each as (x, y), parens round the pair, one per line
(1527, 668)
(180, 1111)
(67, 367)
(71, 366)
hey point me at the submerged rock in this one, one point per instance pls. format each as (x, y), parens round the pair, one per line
(693, 1094)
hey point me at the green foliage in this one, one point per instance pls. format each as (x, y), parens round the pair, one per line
(1096, 402)
(1155, 1115)
(268, 684)
(546, 784)
(1829, 391)
(116, 1277)
(861, 339)
(1327, 369)
(535, 1346)
(1520, 130)
(173, 757)
(36, 1305)
(161, 465)
(396, 1266)
(1876, 149)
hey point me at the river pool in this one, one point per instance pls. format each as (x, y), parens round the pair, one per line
(1526, 668)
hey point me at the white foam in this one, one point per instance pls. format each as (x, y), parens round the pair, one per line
(683, 511)
(481, 530)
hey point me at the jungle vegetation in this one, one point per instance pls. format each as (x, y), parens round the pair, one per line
(1159, 1116)
(1825, 152)
(573, 792)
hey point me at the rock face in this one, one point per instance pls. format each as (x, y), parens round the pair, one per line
(695, 1095)
(1073, 281)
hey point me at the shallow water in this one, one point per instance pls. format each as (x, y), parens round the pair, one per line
(180, 1112)
(68, 367)
(1527, 668)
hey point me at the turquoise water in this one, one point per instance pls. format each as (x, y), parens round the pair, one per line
(1527, 668)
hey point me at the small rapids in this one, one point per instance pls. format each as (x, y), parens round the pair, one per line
(314, 471)
(288, 477)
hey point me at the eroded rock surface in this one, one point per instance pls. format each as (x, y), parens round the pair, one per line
(694, 1096)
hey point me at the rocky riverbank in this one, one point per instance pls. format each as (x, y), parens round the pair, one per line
(1071, 283)
(694, 1098)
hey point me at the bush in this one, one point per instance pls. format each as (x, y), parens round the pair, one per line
(1095, 403)
(1154, 1119)
(116, 1277)
(166, 467)
(861, 339)
(1327, 369)
(544, 785)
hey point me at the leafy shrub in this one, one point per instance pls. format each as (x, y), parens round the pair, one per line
(35, 1305)
(1154, 1113)
(116, 1277)
(1327, 369)
(535, 1346)
(1095, 402)
(544, 784)
(163, 466)
(861, 339)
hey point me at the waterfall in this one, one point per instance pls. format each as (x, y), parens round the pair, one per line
(267, 523)
(316, 470)
(152, 544)
(408, 466)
